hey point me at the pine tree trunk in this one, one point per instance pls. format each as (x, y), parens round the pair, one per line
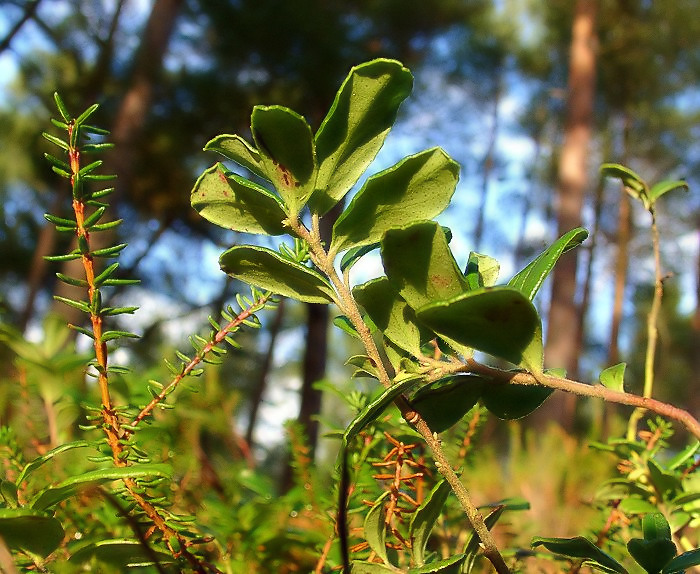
(562, 348)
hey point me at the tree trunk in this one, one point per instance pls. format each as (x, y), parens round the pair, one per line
(488, 164)
(562, 348)
(128, 126)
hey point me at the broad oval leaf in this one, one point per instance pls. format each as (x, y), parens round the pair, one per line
(268, 270)
(235, 148)
(530, 279)
(500, 321)
(30, 531)
(424, 519)
(75, 484)
(354, 129)
(419, 263)
(121, 553)
(510, 402)
(652, 555)
(362, 567)
(232, 202)
(418, 187)
(443, 403)
(391, 314)
(287, 151)
(614, 377)
(580, 547)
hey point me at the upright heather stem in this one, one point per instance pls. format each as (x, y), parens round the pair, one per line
(346, 302)
(111, 426)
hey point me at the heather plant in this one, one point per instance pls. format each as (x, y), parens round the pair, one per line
(446, 343)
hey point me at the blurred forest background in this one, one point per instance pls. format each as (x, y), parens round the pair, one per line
(495, 87)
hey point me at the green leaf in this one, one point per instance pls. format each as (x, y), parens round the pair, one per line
(530, 279)
(452, 565)
(510, 402)
(374, 410)
(391, 314)
(580, 547)
(344, 324)
(420, 265)
(354, 129)
(683, 561)
(418, 187)
(30, 531)
(629, 178)
(37, 462)
(666, 483)
(375, 527)
(471, 548)
(614, 377)
(121, 554)
(655, 527)
(482, 271)
(287, 152)
(659, 189)
(353, 255)
(233, 202)
(236, 149)
(362, 567)
(652, 555)
(500, 321)
(634, 505)
(268, 270)
(444, 402)
(71, 486)
(424, 519)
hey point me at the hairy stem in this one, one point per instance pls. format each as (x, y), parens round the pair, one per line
(586, 390)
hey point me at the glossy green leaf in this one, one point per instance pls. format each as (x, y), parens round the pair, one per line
(354, 130)
(510, 402)
(420, 265)
(424, 519)
(344, 324)
(235, 148)
(121, 553)
(375, 527)
(443, 403)
(69, 487)
(287, 152)
(353, 255)
(482, 271)
(418, 187)
(530, 279)
(614, 377)
(232, 202)
(451, 565)
(652, 555)
(500, 321)
(268, 270)
(659, 189)
(8, 492)
(655, 527)
(30, 531)
(580, 547)
(391, 314)
(682, 562)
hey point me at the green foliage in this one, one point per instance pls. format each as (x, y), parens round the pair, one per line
(421, 326)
